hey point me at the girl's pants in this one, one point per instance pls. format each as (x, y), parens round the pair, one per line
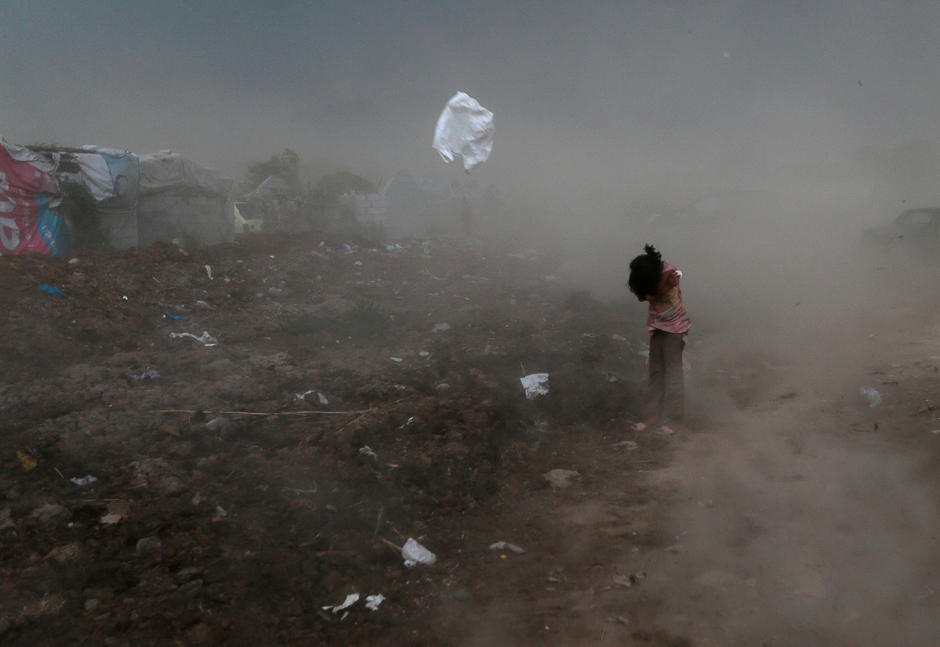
(666, 396)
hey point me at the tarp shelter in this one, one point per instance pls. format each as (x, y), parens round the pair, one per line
(273, 186)
(31, 191)
(180, 200)
(139, 200)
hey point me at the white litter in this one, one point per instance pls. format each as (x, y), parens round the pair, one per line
(560, 478)
(209, 272)
(414, 553)
(367, 451)
(85, 480)
(373, 602)
(873, 397)
(441, 327)
(505, 545)
(395, 359)
(320, 397)
(350, 600)
(205, 339)
(464, 128)
(535, 384)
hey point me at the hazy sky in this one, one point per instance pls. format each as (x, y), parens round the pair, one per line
(587, 93)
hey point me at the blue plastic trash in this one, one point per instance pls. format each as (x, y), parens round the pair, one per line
(48, 289)
(174, 317)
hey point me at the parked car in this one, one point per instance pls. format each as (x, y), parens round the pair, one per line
(915, 231)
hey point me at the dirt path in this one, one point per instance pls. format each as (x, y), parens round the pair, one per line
(802, 517)
(809, 517)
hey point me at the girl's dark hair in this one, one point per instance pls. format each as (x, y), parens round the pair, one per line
(645, 273)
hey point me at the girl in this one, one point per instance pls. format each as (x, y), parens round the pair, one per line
(657, 282)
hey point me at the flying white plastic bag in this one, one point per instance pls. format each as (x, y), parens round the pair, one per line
(465, 128)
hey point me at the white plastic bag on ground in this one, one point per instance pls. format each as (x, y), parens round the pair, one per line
(873, 397)
(414, 553)
(535, 384)
(465, 128)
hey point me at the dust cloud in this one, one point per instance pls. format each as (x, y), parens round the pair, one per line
(752, 143)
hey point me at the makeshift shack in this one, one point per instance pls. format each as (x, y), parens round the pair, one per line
(406, 206)
(125, 200)
(35, 180)
(182, 201)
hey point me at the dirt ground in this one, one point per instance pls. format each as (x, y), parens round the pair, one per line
(331, 398)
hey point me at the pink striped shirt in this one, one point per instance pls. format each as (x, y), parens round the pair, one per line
(666, 310)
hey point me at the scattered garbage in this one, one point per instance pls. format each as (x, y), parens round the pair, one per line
(204, 306)
(414, 553)
(373, 601)
(74, 261)
(560, 478)
(209, 272)
(618, 338)
(52, 291)
(117, 510)
(873, 397)
(322, 398)
(505, 545)
(638, 426)
(173, 317)
(85, 480)
(27, 461)
(151, 374)
(217, 423)
(367, 451)
(464, 128)
(535, 384)
(205, 339)
(149, 545)
(441, 327)
(350, 600)
(395, 359)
